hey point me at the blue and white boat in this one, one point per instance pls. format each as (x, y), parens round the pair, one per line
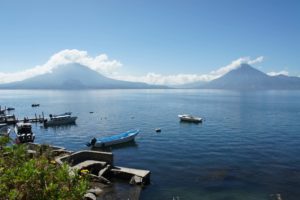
(114, 139)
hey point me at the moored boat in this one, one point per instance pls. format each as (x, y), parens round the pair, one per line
(114, 139)
(190, 118)
(24, 132)
(8, 119)
(63, 114)
(56, 120)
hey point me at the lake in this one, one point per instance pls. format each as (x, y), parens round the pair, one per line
(247, 147)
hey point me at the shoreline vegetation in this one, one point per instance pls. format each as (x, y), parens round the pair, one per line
(37, 176)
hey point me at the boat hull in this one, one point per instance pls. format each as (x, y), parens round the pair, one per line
(69, 120)
(191, 120)
(185, 118)
(25, 138)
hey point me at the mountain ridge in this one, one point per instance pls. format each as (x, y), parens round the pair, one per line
(75, 76)
(246, 77)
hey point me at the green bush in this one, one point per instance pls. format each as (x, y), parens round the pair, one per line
(36, 177)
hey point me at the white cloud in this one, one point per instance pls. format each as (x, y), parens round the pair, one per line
(235, 64)
(283, 72)
(100, 63)
(107, 67)
(177, 79)
(159, 79)
(18, 76)
(256, 60)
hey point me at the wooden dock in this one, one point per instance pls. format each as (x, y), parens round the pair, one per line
(7, 118)
(31, 120)
(35, 119)
(11, 119)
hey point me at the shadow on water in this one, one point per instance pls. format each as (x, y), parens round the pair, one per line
(60, 127)
(131, 144)
(121, 190)
(185, 123)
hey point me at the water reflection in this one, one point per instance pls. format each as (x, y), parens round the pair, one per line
(247, 149)
(130, 144)
(185, 123)
(60, 127)
(121, 190)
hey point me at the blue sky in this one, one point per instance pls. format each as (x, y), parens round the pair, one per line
(164, 37)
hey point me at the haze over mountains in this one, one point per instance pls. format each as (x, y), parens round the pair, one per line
(76, 76)
(246, 77)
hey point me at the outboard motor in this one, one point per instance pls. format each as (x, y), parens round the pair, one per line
(23, 138)
(93, 141)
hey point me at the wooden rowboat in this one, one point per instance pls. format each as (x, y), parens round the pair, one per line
(114, 139)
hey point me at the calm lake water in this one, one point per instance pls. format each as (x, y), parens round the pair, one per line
(247, 148)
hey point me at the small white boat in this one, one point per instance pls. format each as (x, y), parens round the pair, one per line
(190, 118)
(114, 139)
(56, 120)
(24, 132)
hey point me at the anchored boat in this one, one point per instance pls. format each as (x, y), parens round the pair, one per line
(10, 108)
(8, 119)
(114, 139)
(66, 113)
(190, 118)
(56, 120)
(24, 132)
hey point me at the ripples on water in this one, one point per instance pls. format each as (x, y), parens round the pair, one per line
(247, 148)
